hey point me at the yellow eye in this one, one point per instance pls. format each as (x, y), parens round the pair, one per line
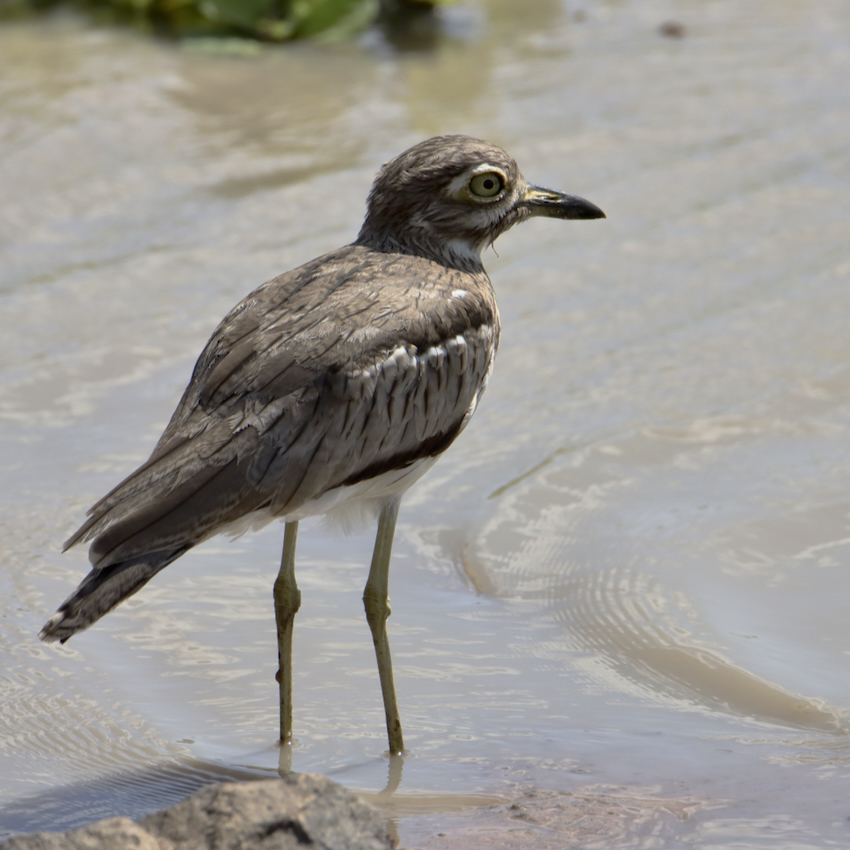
(487, 185)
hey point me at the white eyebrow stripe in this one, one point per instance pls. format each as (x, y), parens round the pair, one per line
(461, 180)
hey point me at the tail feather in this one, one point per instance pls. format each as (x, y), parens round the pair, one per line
(101, 590)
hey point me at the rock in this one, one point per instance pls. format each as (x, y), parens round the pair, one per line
(296, 812)
(275, 815)
(119, 833)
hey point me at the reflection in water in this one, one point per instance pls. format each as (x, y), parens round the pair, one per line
(396, 769)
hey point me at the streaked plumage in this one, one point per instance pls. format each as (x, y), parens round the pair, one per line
(341, 380)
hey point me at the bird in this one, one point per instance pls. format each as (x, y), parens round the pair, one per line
(329, 390)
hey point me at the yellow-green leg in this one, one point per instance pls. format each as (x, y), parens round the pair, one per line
(287, 601)
(377, 610)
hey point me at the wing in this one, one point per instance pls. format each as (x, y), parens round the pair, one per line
(354, 364)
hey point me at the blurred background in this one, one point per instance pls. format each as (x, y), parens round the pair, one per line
(620, 601)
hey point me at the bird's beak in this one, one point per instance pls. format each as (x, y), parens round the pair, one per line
(546, 202)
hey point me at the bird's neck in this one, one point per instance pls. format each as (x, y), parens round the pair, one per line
(454, 253)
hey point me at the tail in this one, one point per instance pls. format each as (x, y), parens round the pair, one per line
(102, 589)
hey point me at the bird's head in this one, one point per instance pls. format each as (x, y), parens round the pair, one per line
(449, 197)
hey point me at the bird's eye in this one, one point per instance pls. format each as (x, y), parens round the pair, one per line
(486, 185)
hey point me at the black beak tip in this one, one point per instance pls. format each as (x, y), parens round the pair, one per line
(579, 208)
(591, 211)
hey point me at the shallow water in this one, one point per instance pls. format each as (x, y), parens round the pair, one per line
(625, 585)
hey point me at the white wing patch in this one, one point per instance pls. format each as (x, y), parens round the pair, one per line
(407, 358)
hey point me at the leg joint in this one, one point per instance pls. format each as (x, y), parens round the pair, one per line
(376, 603)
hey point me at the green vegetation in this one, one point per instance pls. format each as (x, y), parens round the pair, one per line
(266, 20)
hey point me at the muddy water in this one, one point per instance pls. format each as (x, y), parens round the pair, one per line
(620, 601)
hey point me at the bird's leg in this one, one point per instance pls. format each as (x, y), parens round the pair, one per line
(287, 601)
(377, 610)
